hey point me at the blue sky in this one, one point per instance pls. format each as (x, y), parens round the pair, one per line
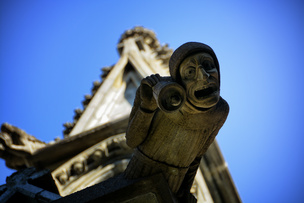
(52, 51)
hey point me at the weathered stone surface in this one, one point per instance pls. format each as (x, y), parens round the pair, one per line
(51, 155)
(16, 145)
(217, 176)
(104, 160)
(171, 140)
(27, 151)
(119, 189)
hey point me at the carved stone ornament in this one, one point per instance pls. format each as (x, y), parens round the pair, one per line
(16, 145)
(175, 119)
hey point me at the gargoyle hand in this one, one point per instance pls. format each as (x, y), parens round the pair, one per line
(146, 93)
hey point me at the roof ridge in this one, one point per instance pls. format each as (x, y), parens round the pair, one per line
(162, 54)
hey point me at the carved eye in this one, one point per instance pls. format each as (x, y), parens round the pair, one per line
(190, 72)
(208, 65)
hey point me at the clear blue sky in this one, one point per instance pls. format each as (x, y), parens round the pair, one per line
(52, 51)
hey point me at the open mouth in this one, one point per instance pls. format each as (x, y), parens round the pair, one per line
(199, 94)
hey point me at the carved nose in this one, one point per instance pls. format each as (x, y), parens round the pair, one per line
(202, 74)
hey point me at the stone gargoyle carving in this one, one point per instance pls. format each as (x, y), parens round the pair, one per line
(175, 119)
(16, 146)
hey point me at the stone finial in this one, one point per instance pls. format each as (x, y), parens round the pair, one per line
(163, 53)
(149, 36)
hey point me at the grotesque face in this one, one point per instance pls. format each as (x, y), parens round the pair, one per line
(200, 79)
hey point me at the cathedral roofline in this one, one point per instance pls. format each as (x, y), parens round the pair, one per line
(70, 146)
(138, 41)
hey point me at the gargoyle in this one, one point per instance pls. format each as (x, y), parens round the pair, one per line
(16, 145)
(175, 119)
